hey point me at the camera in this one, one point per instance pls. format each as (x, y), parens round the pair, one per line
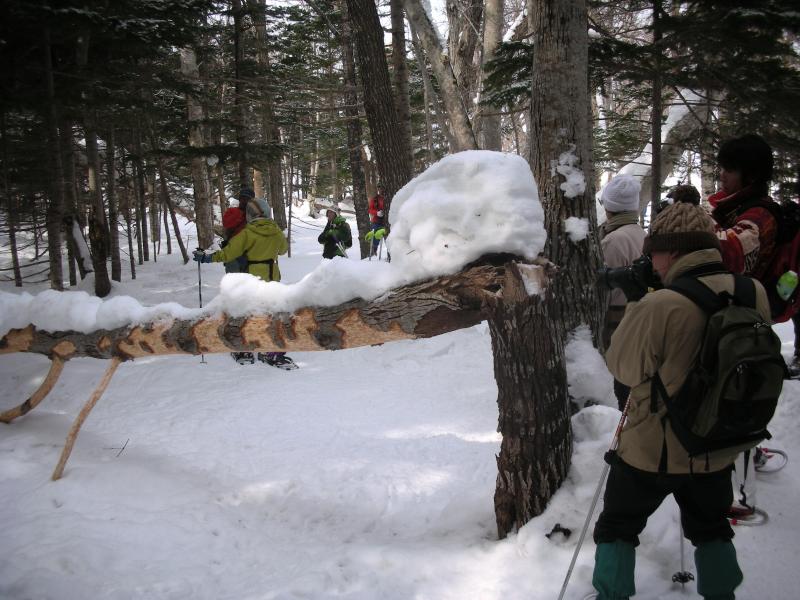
(634, 280)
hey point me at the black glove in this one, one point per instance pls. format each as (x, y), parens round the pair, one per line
(201, 257)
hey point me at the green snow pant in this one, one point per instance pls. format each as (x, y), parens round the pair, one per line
(718, 572)
(614, 563)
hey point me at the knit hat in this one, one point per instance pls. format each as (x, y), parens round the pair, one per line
(246, 194)
(681, 228)
(684, 193)
(621, 194)
(258, 209)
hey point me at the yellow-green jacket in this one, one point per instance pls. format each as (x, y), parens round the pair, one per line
(260, 240)
(663, 332)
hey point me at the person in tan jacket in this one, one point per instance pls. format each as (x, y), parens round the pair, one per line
(662, 333)
(621, 239)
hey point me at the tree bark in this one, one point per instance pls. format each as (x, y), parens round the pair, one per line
(202, 201)
(70, 198)
(529, 367)
(414, 311)
(456, 111)
(238, 96)
(354, 133)
(431, 98)
(656, 112)
(11, 205)
(392, 159)
(400, 75)
(492, 36)
(55, 205)
(98, 225)
(270, 130)
(560, 137)
(113, 210)
(464, 20)
(141, 199)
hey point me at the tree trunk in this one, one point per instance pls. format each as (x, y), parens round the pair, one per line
(560, 137)
(141, 197)
(464, 21)
(354, 134)
(113, 211)
(528, 337)
(419, 310)
(55, 205)
(70, 198)
(164, 213)
(238, 95)
(78, 245)
(270, 130)
(400, 75)
(431, 98)
(529, 367)
(656, 112)
(129, 229)
(204, 214)
(456, 111)
(98, 225)
(394, 166)
(492, 36)
(11, 205)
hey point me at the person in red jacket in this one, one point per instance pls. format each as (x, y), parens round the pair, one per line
(746, 225)
(377, 205)
(234, 220)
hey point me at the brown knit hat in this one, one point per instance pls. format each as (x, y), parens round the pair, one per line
(683, 228)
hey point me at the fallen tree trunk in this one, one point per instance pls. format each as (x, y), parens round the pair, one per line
(418, 310)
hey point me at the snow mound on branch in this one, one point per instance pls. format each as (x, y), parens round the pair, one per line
(466, 205)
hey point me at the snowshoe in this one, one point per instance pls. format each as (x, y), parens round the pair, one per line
(747, 515)
(243, 358)
(277, 360)
(769, 460)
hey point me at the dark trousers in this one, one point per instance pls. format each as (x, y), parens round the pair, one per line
(633, 495)
(796, 323)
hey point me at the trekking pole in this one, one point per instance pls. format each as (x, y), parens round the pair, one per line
(611, 449)
(380, 250)
(683, 576)
(200, 294)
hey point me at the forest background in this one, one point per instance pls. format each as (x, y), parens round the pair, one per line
(118, 115)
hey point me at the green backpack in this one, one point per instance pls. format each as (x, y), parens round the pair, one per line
(731, 393)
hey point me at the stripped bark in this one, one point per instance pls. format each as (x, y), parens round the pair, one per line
(56, 366)
(419, 310)
(76, 425)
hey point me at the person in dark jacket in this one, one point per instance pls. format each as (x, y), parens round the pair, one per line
(336, 237)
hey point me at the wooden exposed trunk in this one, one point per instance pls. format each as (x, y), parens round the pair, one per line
(418, 310)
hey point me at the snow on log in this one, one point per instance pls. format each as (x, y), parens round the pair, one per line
(419, 310)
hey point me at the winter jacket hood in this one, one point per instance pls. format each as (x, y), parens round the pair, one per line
(663, 333)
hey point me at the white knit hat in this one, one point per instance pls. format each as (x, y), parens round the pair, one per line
(621, 194)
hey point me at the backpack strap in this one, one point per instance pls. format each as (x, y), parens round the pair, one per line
(744, 291)
(699, 293)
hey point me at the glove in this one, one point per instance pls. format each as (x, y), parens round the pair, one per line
(369, 235)
(201, 257)
(380, 233)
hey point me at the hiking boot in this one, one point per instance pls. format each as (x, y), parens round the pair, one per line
(740, 511)
(278, 360)
(243, 358)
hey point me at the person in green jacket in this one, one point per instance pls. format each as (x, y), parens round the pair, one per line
(261, 241)
(336, 237)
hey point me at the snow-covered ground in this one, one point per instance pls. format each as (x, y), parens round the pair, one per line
(367, 473)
